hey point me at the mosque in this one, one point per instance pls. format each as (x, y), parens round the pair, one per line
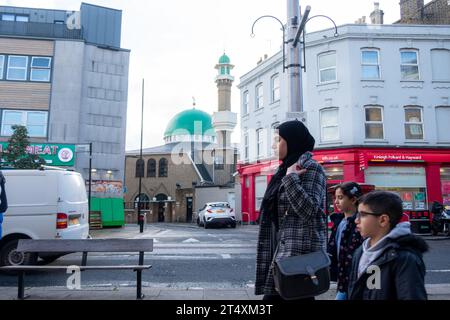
(196, 164)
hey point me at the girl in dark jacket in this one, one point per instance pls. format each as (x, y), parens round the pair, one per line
(345, 239)
(292, 212)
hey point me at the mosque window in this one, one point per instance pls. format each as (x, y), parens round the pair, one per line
(140, 165)
(163, 168)
(151, 168)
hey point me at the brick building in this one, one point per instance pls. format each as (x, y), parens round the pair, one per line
(416, 12)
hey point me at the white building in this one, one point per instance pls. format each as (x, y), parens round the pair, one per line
(374, 95)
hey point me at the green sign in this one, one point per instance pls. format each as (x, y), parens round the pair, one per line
(58, 155)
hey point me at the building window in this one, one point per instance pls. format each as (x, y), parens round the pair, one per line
(272, 141)
(259, 143)
(40, 69)
(22, 18)
(275, 84)
(17, 68)
(327, 67)
(151, 168)
(374, 122)
(440, 59)
(8, 17)
(329, 124)
(14, 17)
(140, 168)
(2, 64)
(409, 65)
(259, 96)
(246, 155)
(59, 22)
(219, 163)
(34, 121)
(260, 190)
(442, 118)
(163, 168)
(370, 64)
(413, 123)
(410, 183)
(445, 180)
(245, 105)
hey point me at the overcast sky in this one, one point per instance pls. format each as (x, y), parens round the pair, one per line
(176, 44)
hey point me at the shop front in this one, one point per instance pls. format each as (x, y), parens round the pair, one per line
(419, 176)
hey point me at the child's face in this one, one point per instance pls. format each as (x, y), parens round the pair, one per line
(370, 224)
(344, 203)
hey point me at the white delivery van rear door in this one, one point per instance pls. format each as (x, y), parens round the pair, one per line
(32, 204)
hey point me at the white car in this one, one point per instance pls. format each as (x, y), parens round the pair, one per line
(42, 204)
(217, 213)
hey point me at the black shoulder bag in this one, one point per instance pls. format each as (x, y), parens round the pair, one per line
(301, 277)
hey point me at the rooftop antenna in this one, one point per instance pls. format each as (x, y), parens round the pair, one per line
(193, 102)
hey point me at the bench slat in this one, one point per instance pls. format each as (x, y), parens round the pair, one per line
(59, 268)
(88, 245)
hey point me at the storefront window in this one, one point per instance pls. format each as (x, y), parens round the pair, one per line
(445, 179)
(260, 190)
(408, 182)
(334, 171)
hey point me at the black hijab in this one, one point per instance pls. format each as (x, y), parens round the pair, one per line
(299, 141)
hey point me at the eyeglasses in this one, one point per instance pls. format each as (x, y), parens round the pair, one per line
(363, 214)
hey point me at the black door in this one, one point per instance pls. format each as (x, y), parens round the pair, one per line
(189, 209)
(161, 211)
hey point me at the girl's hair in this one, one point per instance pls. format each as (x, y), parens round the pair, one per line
(351, 190)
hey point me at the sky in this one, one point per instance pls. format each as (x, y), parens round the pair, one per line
(176, 44)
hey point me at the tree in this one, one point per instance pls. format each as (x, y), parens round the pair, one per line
(16, 155)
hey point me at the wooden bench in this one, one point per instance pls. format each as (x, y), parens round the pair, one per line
(84, 246)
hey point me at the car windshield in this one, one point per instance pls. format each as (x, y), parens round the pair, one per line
(219, 205)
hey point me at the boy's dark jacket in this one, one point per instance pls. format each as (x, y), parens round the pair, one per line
(350, 241)
(402, 272)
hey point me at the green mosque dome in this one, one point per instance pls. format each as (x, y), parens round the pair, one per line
(191, 122)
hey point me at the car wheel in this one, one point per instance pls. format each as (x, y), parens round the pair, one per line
(205, 224)
(233, 225)
(10, 257)
(198, 222)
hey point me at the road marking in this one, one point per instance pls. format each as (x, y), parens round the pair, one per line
(438, 271)
(226, 256)
(191, 240)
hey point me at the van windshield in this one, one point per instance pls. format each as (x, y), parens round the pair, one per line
(72, 188)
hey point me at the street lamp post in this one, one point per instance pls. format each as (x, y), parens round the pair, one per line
(140, 215)
(90, 176)
(292, 57)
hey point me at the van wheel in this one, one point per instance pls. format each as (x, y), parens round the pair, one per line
(10, 257)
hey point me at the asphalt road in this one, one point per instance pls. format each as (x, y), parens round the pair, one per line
(186, 256)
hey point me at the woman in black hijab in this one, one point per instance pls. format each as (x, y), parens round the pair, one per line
(292, 215)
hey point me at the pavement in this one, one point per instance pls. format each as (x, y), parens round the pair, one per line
(161, 292)
(435, 292)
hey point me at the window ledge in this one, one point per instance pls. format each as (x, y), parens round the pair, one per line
(246, 116)
(417, 142)
(260, 110)
(376, 141)
(412, 81)
(443, 142)
(326, 143)
(372, 80)
(440, 81)
(327, 83)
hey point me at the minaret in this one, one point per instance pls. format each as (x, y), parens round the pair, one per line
(224, 121)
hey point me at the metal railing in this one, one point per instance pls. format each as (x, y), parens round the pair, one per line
(39, 30)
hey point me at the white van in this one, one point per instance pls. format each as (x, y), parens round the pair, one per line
(42, 204)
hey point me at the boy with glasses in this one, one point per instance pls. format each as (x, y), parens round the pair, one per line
(389, 265)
